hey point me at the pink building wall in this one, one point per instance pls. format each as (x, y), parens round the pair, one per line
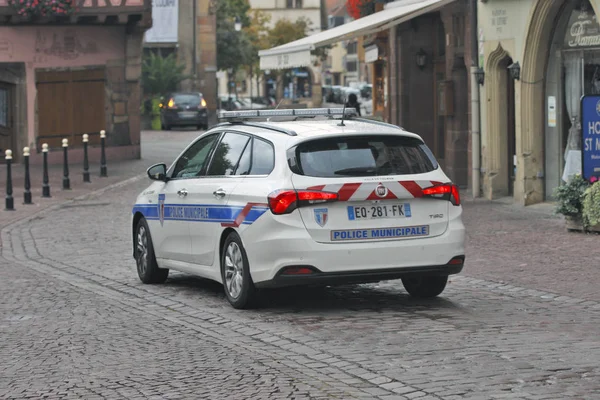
(56, 47)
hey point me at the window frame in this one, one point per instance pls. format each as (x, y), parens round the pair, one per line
(202, 172)
(269, 143)
(214, 150)
(293, 160)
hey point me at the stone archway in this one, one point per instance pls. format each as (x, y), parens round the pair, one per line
(500, 121)
(529, 187)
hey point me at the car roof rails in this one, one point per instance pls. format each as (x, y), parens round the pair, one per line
(288, 132)
(376, 122)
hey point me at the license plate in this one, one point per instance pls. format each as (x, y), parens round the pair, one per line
(187, 114)
(379, 211)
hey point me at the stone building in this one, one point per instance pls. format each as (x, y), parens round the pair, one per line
(539, 57)
(188, 29)
(64, 76)
(420, 58)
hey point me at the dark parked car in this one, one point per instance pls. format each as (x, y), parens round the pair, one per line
(184, 109)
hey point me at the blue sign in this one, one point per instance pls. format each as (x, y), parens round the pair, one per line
(590, 136)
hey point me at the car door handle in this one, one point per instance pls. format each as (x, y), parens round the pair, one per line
(182, 193)
(219, 193)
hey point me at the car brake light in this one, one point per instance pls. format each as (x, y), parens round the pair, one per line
(286, 201)
(171, 103)
(445, 191)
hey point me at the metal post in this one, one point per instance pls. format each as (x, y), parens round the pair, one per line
(27, 193)
(103, 153)
(86, 166)
(45, 185)
(66, 181)
(10, 206)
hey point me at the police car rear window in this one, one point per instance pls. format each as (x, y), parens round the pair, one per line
(372, 155)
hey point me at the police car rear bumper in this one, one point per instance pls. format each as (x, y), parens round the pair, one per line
(318, 278)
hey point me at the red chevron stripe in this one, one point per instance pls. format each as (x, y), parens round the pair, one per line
(320, 187)
(242, 215)
(347, 190)
(413, 188)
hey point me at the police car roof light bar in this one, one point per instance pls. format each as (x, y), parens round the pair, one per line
(309, 112)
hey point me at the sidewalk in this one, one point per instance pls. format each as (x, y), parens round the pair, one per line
(117, 172)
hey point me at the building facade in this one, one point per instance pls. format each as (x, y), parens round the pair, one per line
(188, 29)
(300, 84)
(62, 77)
(539, 58)
(428, 61)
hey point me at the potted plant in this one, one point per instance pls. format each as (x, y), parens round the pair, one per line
(591, 207)
(569, 201)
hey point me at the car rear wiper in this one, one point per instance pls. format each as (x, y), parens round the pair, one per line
(357, 170)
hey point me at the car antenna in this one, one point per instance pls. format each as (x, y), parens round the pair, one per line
(343, 113)
(280, 101)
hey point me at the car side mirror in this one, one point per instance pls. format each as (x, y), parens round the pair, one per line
(158, 172)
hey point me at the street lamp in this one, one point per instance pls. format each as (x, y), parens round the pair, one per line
(480, 75)
(515, 71)
(238, 24)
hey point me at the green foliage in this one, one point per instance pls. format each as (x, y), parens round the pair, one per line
(569, 197)
(234, 49)
(161, 75)
(591, 205)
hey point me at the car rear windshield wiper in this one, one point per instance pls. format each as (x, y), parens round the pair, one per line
(357, 171)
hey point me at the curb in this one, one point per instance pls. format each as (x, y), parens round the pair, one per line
(61, 204)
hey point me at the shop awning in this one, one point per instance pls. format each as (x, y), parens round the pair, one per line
(297, 53)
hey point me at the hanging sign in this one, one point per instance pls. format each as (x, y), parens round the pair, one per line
(583, 29)
(165, 14)
(590, 136)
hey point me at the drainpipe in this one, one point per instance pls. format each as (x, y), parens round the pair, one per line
(194, 51)
(475, 111)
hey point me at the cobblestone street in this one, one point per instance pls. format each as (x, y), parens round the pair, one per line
(77, 323)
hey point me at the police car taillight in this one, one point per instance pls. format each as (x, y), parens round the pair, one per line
(444, 192)
(286, 201)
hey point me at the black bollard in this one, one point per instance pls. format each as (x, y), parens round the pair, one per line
(10, 206)
(66, 182)
(27, 192)
(103, 153)
(45, 184)
(86, 166)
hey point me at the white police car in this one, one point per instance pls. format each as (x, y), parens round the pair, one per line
(307, 200)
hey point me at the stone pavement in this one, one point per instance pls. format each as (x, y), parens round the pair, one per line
(76, 322)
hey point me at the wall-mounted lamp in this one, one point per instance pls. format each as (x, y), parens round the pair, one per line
(480, 75)
(421, 58)
(238, 24)
(515, 71)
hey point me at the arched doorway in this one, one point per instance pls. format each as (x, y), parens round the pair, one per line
(500, 166)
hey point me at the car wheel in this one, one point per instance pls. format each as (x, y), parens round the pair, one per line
(425, 286)
(147, 266)
(200, 127)
(235, 272)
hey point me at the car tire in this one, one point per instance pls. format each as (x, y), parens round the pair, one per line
(235, 273)
(425, 286)
(147, 267)
(200, 127)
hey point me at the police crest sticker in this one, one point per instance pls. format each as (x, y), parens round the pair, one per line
(161, 208)
(321, 216)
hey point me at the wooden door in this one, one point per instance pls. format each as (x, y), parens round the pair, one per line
(7, 120)
(70, 103)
